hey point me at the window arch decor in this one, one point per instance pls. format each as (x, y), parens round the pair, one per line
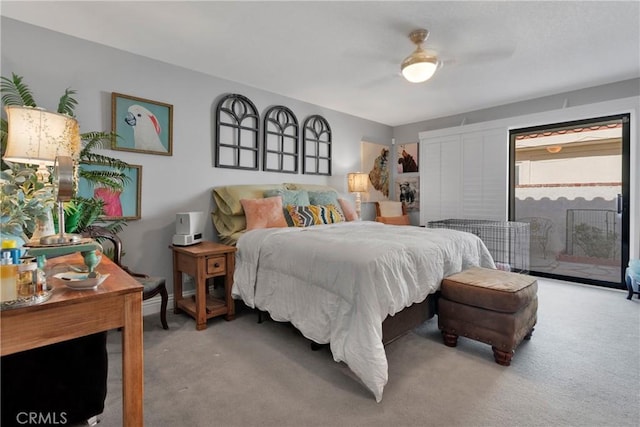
(280, 145)
(316, 146)
(237, 127)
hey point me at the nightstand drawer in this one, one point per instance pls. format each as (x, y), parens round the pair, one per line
(216, 265)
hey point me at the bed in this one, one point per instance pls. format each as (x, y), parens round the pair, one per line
(339, 283)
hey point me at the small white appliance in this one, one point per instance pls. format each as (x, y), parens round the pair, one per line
(189, 228)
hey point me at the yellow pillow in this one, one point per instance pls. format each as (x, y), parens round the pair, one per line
(228, 197)
(264, 213)
(304, 216)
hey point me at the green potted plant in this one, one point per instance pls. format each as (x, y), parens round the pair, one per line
(25, 200)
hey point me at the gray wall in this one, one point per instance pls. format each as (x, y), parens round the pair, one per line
(51, 62)
(623, 89)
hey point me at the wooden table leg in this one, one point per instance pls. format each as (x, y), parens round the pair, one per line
(201, 296)
(228, 284)
(132, 362)
(177, 284)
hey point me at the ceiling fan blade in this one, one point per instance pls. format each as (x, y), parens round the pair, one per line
(479, 58)
(382, 80)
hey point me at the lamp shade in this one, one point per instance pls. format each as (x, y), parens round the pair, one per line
(37, 136)
(419, 66)
(358, 182)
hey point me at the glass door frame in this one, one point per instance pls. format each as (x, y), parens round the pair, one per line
(624, 207)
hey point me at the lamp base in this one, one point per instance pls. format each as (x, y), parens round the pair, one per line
(358, 206)
(61, 239)
(44, 227)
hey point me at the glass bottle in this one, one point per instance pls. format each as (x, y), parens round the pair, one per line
(27, 278)
(8, 278)
(41, 278)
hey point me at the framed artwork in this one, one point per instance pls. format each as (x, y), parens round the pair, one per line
(407, 160)
(237, 129)
(280, 140)
(407, 190)
(122, 205)
(142, 125)
(375, 162)
(316, 146)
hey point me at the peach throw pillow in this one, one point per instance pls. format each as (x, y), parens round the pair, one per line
(264, 213)
(348, 210)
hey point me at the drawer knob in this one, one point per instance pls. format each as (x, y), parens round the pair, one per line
(216, 265)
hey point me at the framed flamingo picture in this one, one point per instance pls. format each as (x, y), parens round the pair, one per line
(141, 125)
(117, 205)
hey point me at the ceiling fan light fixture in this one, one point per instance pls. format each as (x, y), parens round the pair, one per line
(419, 66)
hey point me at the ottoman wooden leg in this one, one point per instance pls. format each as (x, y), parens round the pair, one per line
(450, 340)
(502, 357)
(528, 336)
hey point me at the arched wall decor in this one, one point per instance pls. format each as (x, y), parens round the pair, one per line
(237, 128)
(280, 145)
(316, 146)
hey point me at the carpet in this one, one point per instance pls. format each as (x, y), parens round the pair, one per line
(581, 368)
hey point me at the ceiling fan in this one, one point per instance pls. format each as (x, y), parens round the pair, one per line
(420, 65)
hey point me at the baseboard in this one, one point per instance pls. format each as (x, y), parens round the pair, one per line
(152, 305)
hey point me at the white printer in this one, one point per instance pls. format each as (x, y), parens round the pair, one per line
(189, 228)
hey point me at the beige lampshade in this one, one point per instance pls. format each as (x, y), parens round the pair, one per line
(37, 136)
(358, 182)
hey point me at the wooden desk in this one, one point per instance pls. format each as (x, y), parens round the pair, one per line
(116, 303)
(203, 261)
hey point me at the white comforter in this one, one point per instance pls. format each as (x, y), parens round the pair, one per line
(337, 283)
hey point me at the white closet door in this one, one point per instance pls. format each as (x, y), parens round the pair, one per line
(473, 176)
(430, 182)
(495, 186)
(451, 175)
(485, 174)
(440, 178)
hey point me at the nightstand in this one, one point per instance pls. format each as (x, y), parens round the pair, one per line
(203, 261)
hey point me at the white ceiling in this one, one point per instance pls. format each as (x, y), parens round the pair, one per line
(345, 55)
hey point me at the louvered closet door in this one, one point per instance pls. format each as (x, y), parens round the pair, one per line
(440, 178)
(464, 176)
(485, 175)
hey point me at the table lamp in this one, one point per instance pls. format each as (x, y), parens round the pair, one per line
(37, 136)
(358, 183)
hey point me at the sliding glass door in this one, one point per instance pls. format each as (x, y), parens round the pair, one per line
(570, 181)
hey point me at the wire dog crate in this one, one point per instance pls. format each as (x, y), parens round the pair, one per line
(507, 241)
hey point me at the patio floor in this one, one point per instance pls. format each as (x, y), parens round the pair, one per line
(575, 269)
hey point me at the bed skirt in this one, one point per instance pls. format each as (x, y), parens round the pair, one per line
(393, 327)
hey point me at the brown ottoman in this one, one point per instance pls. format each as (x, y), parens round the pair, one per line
(491, 306)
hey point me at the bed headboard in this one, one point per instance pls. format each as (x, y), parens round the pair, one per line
(228, 216)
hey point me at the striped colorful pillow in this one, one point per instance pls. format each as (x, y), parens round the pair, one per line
(304, 216)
